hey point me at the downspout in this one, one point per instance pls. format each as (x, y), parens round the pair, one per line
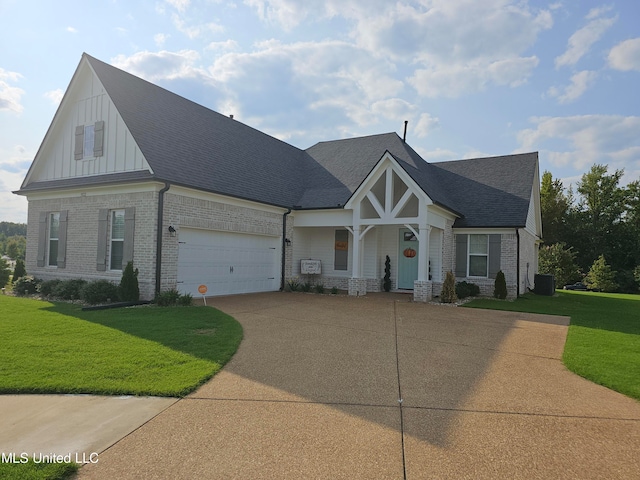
(159, 235)
(284, 237)
(518, 264)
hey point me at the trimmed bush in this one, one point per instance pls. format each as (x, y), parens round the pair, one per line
(129, 290)
(47, 287)
(26, 286)
(168, 298)
(386, 283)
(465, 289)
(448, 294)
(19, 271)
(99, 291)
(185, 300)
(69, 289)
(500, 286)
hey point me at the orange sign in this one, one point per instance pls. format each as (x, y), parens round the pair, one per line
(342, 245)
(202, 289)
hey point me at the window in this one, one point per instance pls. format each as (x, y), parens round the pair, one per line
(89, 137)
(117, 240)
(54, 232)
(341, 249)
(478, 255)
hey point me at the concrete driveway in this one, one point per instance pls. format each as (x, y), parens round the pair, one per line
(378, 387)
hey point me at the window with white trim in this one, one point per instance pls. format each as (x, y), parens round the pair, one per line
(116, 240)
(54, 232)
(478, 255)
(88, 141)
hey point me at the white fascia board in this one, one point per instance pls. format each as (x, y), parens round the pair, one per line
(488, 231)
(94, 191)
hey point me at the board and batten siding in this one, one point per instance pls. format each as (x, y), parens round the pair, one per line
(89, 104)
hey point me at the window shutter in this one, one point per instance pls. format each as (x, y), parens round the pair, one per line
(461, 255)
(129, 228)
(98, 138)
(103, 220)
(62, 239)
(341, 250)
(42, 238)
(494, 254)
(79, 145)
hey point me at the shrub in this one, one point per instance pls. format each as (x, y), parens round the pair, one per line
(560, 261)
(465, 289)
(293, 284)
(448, 294)
(305, 287)
(185, 300)
(168, 298)
(4, 272)
(19, 271)
(601, 277)
(69, 289)
(319, 288)
(386, 283)
(99, 291)
(500, 286)
(47, 287)
(26, 285)
(334, 290)
(129, 290)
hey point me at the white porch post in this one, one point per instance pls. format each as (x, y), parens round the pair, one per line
(355, 265)
(423, 253)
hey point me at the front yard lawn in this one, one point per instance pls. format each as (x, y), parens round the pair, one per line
(57, 348)
(603, 342)
(37, 471)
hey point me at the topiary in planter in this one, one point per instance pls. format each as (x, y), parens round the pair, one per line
(129, 290)
(386, 284)
(500, 286)
(448, 294)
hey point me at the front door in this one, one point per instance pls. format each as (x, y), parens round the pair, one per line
(407, 259)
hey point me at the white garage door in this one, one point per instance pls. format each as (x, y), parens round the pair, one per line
(227, 262)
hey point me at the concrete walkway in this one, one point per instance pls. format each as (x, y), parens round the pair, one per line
(378, 387)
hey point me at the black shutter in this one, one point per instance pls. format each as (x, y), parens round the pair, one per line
(494, 254)
(98, 138)
(42, 239)
(78, 151)
(62, 239)
(101, 259)
(461, 256)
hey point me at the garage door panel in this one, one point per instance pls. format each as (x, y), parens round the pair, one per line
(227, 262)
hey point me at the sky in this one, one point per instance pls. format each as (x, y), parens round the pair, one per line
(473, 78)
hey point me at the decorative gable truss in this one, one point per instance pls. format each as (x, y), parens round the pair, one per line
(389, 196)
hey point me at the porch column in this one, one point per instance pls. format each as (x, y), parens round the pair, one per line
(423, 253)
(355, 264)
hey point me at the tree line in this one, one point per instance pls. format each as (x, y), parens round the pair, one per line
(13, 239)
(592, 235)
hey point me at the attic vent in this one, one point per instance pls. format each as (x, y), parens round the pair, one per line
(231, 116)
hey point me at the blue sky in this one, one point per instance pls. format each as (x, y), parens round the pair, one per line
(474, 78)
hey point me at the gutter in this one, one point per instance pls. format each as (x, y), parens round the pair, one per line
(284, 237)
(518, 263)
(166, 187)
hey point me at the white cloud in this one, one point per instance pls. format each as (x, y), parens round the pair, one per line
(180, 5)
(580, 83)
(160, 39)
(625, 56)
(582, 140)
(598, 12)
(226, 46)
(55, 96)
(162, 65)
(426, 124)
(72, 30)
(437, 155)
(9, 95)
(197, 30)
(581, 41)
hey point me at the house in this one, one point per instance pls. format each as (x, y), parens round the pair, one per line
(129, 171)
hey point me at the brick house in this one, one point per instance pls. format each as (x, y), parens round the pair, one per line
(129, 171)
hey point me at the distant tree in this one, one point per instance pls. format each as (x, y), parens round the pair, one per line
(554, 205)
(601, 277)
(10, 229)
(5, 273)
(19, 271)
(560, 261)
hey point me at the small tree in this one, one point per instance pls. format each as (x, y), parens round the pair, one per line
(387, 275)
(129, 289)
(448, 294)
(4, 273)
(601, 277)
(19, 271)
(500, 286)
(560, 261)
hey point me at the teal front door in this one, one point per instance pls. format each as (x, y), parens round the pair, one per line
(407, 259)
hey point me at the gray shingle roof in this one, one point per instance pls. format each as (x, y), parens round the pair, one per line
(191, 145)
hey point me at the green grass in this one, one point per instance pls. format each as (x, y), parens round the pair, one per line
(57, 348)
(37, 471)
(603, 342)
